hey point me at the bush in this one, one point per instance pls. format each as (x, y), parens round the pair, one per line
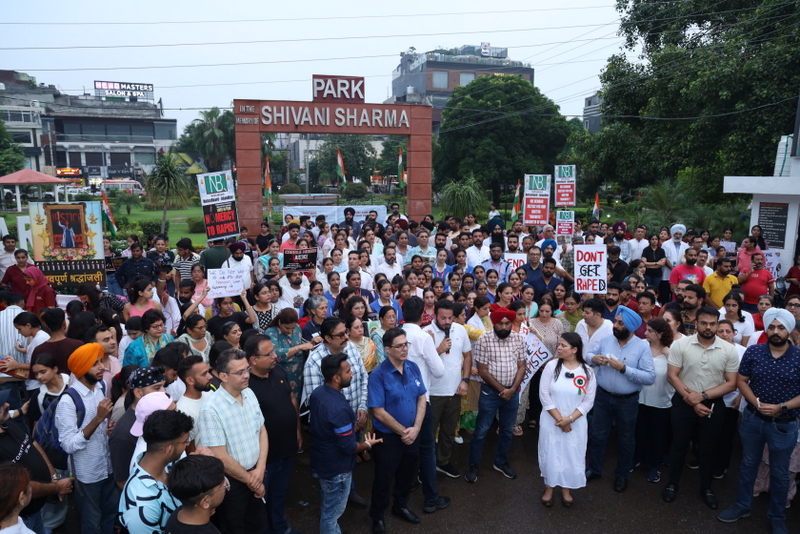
(290, 189)
(84, 197)
(317, 188)
(122, 221)
(196, 225)
(195, 201)
(152, 227)
(355, 191)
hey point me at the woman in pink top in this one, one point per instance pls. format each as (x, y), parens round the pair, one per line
(140, 299)
(200, 283)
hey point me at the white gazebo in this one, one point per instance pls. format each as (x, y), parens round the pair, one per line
(30, 177)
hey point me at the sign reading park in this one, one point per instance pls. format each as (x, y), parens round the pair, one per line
(338, 89)
(218, 198)
(536, 206)
(590, 268)
(565, 185)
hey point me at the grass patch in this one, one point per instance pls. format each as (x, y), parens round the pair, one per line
(178, 226)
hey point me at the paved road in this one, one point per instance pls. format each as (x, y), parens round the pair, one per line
(498, 505)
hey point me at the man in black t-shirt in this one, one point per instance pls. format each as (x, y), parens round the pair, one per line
(281, 417)
(18, 447)
(199, 482)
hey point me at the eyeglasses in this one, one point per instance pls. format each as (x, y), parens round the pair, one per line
(157, 326)
(793, 305)
(400, 346)
(340, 335)
(240, 373)
(226, 487)
(185, 442)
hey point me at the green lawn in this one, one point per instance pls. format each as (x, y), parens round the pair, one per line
(177, 222)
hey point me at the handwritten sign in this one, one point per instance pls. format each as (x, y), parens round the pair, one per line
(772, 262)
(565, 185)
(536, 205)
(590, 269)
(516, 260)
(299, 259)
(227, 282)
(538, 355)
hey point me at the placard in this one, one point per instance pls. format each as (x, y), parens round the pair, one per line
(536, 205)
(591, 269)
(516, 260)
(565, 225)
(538, 355)
(565, 185)
(227, 282)
(218, 198)
(334, 214)
(299, 259)
(772, 219)
(772, 262)
(66, 276)
(66, 231)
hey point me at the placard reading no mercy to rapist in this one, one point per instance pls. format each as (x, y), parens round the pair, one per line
(591, 269)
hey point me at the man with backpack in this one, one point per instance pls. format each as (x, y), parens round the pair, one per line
(18, 447)
(83, 428)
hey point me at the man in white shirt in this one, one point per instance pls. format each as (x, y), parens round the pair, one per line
(593, 328)
(196, 374)
(7, 258)
(454, 348)
(421, 350)
(478, 252)
(239, 261)
(294, 294)
(638, 243)
(390, 266)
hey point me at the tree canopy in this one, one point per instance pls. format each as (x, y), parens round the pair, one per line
(717, 90)
(498, 128)
(357, 152)
(212, 136)
(12, 157)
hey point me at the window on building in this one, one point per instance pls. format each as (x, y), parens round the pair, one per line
(61, 159)
(165, 130)
(121, 158)
(21, 137)
(142, 132)
(144, 158)
(74, 159)
(465, 77)
(93, 132)
(94, 159)
(72, 131)
(118, 132)
(439, 79)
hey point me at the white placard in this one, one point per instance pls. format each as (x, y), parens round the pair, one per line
(227, 282)
(516, 260)
(591, 269)
(538, 355)
(334, 214)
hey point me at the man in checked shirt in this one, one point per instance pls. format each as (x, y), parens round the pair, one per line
(500, 356)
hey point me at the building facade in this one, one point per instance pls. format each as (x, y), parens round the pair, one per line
(592, 117)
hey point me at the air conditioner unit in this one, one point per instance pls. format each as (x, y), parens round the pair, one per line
(34, 103)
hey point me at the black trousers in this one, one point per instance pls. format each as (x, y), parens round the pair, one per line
(393, 460)
(685, 422)
(652, 425)
(722, 459)
(240, 512)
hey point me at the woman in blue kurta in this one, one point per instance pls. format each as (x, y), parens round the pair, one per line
(287, 337)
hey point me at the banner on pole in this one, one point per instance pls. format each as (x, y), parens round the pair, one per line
(590, 269)
(299, 259)
(218, 198)
(565, 185)
(537, 199)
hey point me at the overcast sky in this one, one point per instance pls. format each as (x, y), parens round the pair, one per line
(298, 39)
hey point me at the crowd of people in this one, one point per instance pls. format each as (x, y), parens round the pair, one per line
(160, 409)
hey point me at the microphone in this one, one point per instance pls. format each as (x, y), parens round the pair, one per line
(446, 336)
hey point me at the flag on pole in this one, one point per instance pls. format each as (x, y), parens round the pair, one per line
(517, 204)
(268, 187)
(400, 181)
(596, 210)
(108, 217)
(340, 169)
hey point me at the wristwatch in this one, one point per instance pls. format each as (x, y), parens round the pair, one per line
(465, 380)
(56, 477)
(784, 408)
(705, 396)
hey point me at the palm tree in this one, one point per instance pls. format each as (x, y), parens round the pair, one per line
(213, 137)
(463, 197)
(169, 180)
(127, 201)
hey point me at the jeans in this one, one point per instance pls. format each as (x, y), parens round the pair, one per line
(34, 522)
(98, 504)
(427, 457)
(606, 409)
(333, 493)
(781, 439)
(488, 405)
(276, 484)
(688, 426)
(113, 286)
(445, 412)
(652, 280)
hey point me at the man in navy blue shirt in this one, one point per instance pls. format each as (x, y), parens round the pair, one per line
(398, 403)
(548, 280)
(334, 446)
(769, 380)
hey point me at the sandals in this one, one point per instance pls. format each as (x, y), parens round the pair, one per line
(532, 424)
(517, 430)
(547, 503)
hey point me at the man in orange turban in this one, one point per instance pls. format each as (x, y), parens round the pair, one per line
(84, 358)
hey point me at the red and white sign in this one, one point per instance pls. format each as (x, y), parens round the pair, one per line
(337, 89)
(536, 205)
(590, 269)
(565, 185)
(565, 223)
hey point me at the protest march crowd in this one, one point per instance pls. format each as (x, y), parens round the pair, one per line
(159, 405)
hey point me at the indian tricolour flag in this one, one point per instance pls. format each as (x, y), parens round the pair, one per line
(596, 210)
(268, 186)
(400, 176)
(340, 168)
(517, 204)
(108, 217)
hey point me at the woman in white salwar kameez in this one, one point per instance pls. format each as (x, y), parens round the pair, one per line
(567, 393)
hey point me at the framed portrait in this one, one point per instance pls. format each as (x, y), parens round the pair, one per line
(66, 231)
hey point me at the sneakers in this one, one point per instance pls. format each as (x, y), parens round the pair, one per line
(458, 439)
(472, 473)
(693, 464)
(733, 514)
(506, 470)
(449, 470)
(654, 476)
(720, 475)
(439, 504)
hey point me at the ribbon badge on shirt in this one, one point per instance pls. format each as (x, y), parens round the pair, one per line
(580, 383)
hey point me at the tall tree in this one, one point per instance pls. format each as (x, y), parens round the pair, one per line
(169, 180)
(357, 152)
(498, 128)
(212, 136)
(389, 152)
(12, 157)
